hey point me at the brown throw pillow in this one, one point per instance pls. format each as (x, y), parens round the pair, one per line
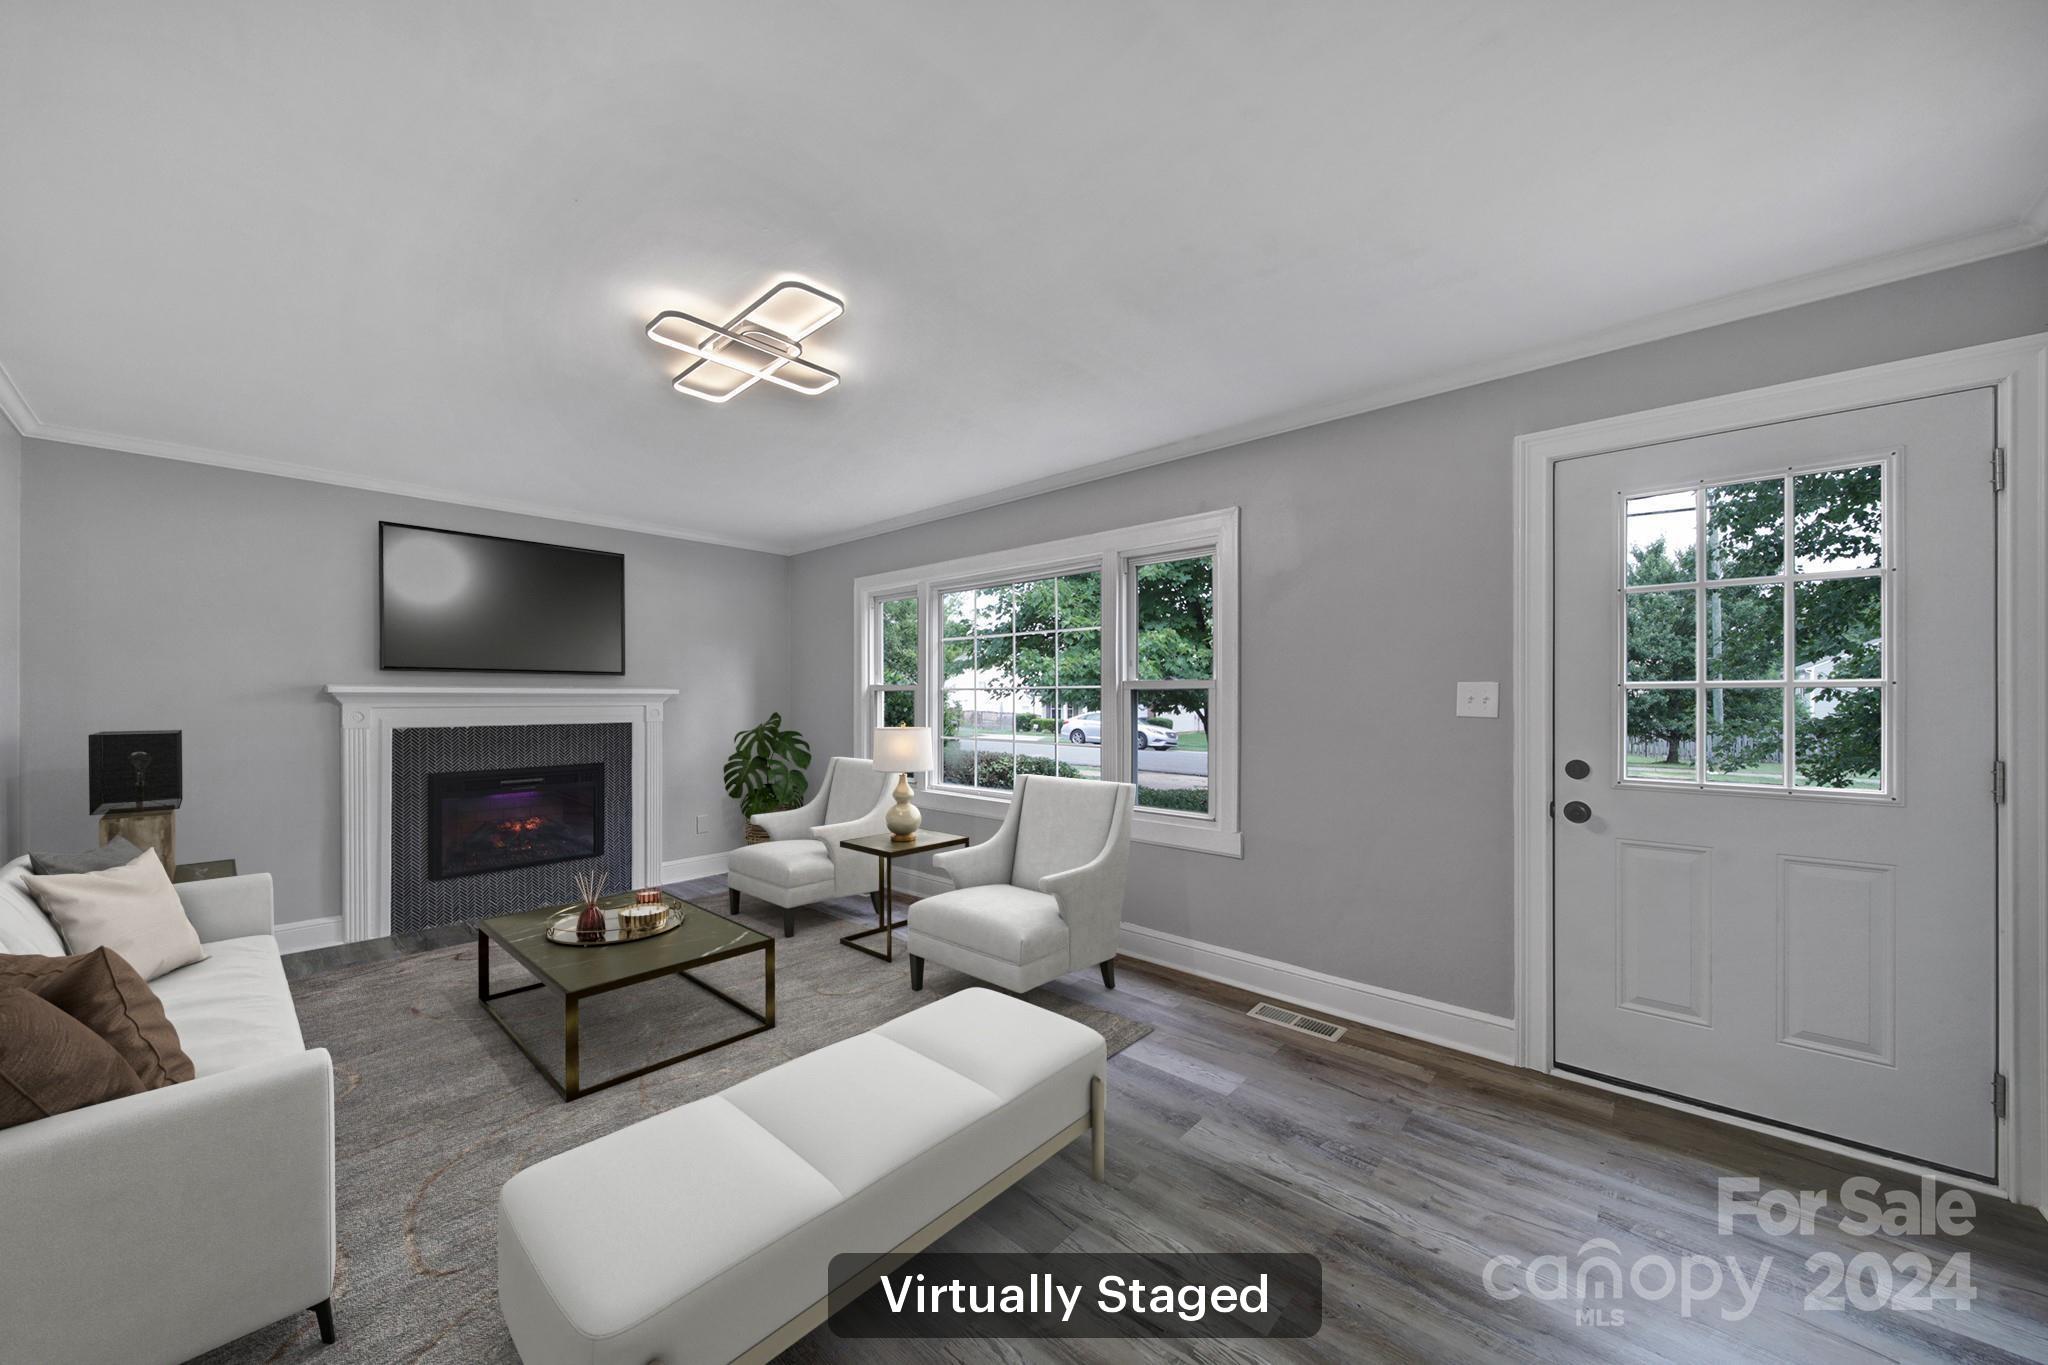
(100, 990)
(51, 1064)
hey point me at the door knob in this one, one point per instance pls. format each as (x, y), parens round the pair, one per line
(1578, 769)
(1578, 812)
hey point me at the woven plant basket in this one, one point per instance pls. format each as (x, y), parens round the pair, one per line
(755, 834)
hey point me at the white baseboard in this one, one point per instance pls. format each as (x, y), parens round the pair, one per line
(1433, 1021)
(300, 935)
(689, 869)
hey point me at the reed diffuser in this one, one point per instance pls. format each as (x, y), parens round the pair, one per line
(590, 924)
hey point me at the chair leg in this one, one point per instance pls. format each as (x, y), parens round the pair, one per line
(789, 921)
(1109, 974)
(916, 972)
(323, 1313)
(732, 901)
(875, 899)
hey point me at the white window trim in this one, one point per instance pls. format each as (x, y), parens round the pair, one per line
(1111, 552)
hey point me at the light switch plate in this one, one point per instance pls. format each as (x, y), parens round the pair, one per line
(1478, 699)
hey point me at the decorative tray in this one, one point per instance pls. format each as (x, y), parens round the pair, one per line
(562, 928)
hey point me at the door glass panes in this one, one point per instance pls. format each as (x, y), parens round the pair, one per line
(1745, 635)
(1838, 519)
(1661, 734)
(1661, 636)
(1840, 737)
(1746, 529)
(1169, 729)
(1661, 532)
(1796, 635)
(1839, 624)
(1745, 736)
(1021, 666)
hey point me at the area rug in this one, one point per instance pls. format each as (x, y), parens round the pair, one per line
(435, 1109)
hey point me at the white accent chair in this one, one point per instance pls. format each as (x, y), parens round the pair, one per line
(802, 862)
(1042, 898)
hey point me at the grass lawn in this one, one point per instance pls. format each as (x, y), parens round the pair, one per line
(1755, 775)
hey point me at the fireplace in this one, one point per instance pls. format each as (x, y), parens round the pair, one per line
(503, 818)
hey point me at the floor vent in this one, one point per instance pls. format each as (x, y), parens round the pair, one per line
(1300, 1023)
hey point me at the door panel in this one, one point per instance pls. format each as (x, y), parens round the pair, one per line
(1775, 650)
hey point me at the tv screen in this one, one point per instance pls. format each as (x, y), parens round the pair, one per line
(470, 603)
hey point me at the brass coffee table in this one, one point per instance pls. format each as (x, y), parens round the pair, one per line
(576, 973)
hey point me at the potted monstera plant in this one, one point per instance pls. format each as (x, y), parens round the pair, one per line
(766, 771)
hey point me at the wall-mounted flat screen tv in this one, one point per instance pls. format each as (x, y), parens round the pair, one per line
(467, 603)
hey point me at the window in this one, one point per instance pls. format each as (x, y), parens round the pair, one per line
(892, 679)
(1743, 645)
(1102, 657)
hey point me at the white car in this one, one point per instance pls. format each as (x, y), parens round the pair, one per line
(1086, 728)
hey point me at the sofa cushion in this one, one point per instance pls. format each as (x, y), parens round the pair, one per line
(100, 990)
(235, 1007)
(116, 852)
(1007, 923)
(51, 1064)
(786, 863)
(1062, 823)
(24, 928)
(133, 909)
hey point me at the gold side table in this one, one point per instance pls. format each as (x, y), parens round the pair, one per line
(888, 850)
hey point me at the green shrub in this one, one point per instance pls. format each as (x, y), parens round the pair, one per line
(1037, 725)
(999, 771)
(1174, 798)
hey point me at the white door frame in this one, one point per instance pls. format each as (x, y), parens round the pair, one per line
(2018, 370)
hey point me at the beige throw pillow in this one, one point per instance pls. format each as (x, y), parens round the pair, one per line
(132, 910)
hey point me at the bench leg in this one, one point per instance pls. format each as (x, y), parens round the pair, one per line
(789, 921)
(916, 972)
(323, 1313)
(1098, 1096)
(1109, 974)
(732, 901)
(875, 899)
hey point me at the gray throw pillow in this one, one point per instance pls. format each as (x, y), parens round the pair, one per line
(119, 853)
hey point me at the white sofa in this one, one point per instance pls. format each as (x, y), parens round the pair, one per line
(1043, 897)
(705, 1233)
(161, 1225)
(802, 862)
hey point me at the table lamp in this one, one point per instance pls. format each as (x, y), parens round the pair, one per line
(903, 750)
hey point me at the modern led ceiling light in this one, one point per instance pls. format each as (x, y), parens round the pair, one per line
(764, 342)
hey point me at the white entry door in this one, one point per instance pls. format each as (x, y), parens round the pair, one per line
(1774, 737)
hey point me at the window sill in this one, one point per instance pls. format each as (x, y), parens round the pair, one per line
(1199, 836)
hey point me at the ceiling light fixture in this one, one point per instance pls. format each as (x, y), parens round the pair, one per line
(765, 341)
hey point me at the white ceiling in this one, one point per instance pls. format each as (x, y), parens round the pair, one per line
(414, 245)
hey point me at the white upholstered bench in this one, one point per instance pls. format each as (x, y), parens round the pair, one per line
(704, 1233)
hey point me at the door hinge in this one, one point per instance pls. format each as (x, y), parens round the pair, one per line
(1998, 782)
(1998, 469)
(1998, 1095)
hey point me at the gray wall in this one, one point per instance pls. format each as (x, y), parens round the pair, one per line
(10, 638)
(158, 594)
(1377, 573)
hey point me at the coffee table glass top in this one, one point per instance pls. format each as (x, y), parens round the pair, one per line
(701, 937)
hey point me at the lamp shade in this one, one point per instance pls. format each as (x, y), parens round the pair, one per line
(905, 749)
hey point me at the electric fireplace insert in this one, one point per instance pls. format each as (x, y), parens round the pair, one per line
(513, 817)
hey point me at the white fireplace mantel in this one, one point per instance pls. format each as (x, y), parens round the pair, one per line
(371, 712)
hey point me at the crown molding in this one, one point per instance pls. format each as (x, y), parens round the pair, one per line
(1748, 303)
(284, 469)
(1811, 288)
(15, 406)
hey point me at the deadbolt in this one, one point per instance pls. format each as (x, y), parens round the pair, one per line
(1577, 768)
(1578, 812)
